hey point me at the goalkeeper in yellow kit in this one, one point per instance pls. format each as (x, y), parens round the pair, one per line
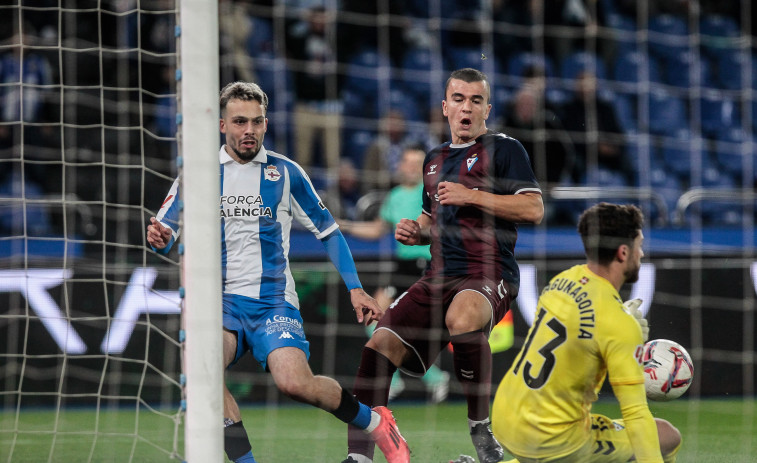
(582, 333)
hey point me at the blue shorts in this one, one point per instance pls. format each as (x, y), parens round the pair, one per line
(262, 327)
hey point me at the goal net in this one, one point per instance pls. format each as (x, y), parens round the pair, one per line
(89, 320)
(90, 327)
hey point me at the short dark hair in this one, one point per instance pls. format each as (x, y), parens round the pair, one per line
(469, 75)
(244, 91)
(604, 227)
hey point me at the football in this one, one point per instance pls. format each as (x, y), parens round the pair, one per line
(668, 370)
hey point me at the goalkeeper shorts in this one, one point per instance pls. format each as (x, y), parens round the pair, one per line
(609, 444)
(262, 327)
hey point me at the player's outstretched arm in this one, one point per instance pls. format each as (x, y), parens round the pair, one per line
(158, 236)
(521, 208)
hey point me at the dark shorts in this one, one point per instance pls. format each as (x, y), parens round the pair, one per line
(417, 316)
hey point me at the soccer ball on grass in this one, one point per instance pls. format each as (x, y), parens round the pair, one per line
(668, 370)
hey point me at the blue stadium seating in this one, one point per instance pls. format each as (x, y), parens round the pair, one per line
(625, 109)
(355, 143)
(365, 71)
(732, 153)
(260, 40)
(719, 113)
(667, 113)
(518, 63)
(718, 31)
(417, 64)
(727, 64)
(680, 152)
(635, 67)
(624, 29)
(577, 62)
(682, 69)
(668, 35)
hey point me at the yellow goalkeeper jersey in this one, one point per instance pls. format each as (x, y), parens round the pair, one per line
(580, 334)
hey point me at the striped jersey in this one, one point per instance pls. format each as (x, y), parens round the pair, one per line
(466, 240)
(258, 202)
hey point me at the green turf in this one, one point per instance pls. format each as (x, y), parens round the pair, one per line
(714, 431)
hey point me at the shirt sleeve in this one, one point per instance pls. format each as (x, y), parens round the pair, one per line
(513, 168)
(640, 425)
(168, 215)
(307, 207)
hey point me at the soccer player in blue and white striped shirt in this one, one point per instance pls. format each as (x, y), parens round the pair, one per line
(261, 193)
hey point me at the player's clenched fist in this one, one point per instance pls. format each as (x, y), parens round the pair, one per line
(408, 232)
(453, 194)
(157, 235)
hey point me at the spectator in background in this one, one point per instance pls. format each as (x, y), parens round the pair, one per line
(311, 49)
(403, 201)
(347, 188)
(24, 75)
(595, 130)
(382, 158)
(536, 124)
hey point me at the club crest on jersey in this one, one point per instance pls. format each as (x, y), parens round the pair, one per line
(431, 169)
(472, 160)
(272, 173)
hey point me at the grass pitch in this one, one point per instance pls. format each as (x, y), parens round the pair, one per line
(714, 431)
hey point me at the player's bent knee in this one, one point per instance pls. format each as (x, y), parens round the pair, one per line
(294, 388)
(670, 436)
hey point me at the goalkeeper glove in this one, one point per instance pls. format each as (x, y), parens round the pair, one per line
(632, 307)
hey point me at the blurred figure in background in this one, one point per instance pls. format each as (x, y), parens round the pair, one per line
(595, 131)
(382, 158)
(311, 47)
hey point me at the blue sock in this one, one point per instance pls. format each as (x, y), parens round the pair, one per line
(363, 418)
(246, 458)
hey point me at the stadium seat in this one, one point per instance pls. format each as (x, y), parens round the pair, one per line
(359, 109)
(355, 143)
(577, 62)
(719, 113)
(727, 64)
(733, 154)
(518, 64)
(260, 40)
(682, 69)
(718, 31)
(366, 71)
(407, 103)
(668, 187)
(603, 177)
(625, 109)
(680, 152)
(634, 67)
(624, 29)
(417, 64)
(668, 35)
(667, 113)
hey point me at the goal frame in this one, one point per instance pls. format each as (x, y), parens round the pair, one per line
(199, 139)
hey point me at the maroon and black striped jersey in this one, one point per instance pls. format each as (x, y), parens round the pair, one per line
(466, 240)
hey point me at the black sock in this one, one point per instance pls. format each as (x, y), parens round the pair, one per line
(235, 441)
(473, 367)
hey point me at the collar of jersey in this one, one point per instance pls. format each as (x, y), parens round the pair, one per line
(463, 145)
(262, 156)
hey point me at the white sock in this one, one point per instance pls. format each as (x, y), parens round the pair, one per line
(375, 420)
(360, 458)
(472, 423)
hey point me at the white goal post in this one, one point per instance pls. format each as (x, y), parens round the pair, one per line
(198, 141)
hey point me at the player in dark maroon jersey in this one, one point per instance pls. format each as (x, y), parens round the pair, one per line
(477, 188)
